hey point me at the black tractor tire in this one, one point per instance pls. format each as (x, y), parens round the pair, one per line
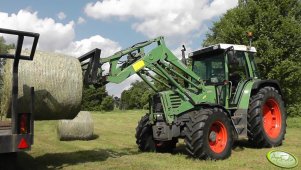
(266, 111)
(198, 130)
(146, 142)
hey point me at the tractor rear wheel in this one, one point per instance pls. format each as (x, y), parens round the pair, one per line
(209, 134)
(266, 118)
(146, 142)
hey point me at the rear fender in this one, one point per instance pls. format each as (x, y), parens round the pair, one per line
(262, 83)
(252, 87)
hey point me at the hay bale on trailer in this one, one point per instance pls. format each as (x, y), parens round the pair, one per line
(80, 128)
(57, 80)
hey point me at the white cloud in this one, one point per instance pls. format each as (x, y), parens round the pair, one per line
(81, 20)
(107, 46)
(162, 17)
(61, 15)
(53, 36)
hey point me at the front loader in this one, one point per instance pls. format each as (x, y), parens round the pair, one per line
(221, 100)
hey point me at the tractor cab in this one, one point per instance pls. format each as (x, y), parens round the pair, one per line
(228, 67)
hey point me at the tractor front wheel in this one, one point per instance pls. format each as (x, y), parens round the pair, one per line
(146, 142)
(209, 134)
(266, 118)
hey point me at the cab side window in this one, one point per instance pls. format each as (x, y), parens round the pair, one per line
(210, 69)
(217, 73)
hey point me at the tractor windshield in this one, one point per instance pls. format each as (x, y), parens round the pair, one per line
(210, 68)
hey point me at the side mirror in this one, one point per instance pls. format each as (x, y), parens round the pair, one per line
(183, 55)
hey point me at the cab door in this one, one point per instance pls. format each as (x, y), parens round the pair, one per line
(238, 75)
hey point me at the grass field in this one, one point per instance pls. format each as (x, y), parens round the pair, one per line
(114, 147)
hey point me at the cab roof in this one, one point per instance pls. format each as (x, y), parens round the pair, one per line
(218, 47)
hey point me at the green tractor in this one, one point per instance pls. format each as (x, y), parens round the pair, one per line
(221, 100)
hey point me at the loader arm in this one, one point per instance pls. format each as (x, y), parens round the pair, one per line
(158, 61)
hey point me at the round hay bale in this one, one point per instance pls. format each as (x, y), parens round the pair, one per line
(80, 128)
(57, 80)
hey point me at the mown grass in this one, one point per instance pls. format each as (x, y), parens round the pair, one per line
(115, 148)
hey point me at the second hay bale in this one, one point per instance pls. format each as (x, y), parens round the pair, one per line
(80, 128)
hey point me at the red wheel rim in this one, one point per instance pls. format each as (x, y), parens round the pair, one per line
(272, 118)
(218, 137)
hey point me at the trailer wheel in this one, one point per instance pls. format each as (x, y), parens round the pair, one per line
(266, 118)
(145, 141)
(209, 134)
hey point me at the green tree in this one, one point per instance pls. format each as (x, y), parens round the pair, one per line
(137, 96)
(124, 104)
(3, 50)
(93, 97)
(107, 103)
(277, 36)
(5, 47)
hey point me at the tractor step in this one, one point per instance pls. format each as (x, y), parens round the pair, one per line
(240, 124)
(240, 129)
(236, 119)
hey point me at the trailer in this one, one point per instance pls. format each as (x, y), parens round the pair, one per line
(16, 133)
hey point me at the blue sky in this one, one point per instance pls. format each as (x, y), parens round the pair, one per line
(115, 30)
(75, 27)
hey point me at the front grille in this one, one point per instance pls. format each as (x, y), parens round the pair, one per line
(175, 100)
